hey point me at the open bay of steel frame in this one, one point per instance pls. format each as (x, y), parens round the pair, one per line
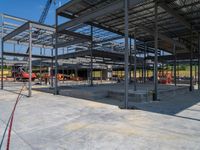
(173, 25)
(109, 15)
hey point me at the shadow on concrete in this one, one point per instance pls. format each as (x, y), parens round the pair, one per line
(171, 103)
(176, 105)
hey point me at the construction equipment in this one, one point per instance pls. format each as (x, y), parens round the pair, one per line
(20, 73)
(165, 78)
(46, 10)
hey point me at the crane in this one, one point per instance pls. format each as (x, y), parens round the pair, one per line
(46, 10)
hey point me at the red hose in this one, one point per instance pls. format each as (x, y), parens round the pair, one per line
(11, 121)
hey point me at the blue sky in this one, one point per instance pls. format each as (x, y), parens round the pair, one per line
(29, 9)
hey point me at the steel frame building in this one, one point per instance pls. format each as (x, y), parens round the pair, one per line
(171, 22)
(171, 26)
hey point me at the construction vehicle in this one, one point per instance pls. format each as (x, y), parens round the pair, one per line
(21, 74)
(165, 78)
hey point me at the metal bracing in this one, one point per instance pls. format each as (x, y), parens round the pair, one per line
(126, 53)
(30, 62)
(155, 97)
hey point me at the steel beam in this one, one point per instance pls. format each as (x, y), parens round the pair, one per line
(77, 35)
(65, 6)
(126, 53)
(117, 5)
(25, 55)
(175, 14)
(155, 97)
(164, 37)
(111, 39)
(17, 31)
(64, 44)
(42, 26)
(30, 62)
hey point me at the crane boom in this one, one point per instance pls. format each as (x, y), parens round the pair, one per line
(45, 11)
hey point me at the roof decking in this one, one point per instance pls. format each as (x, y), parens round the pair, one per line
(176, 18)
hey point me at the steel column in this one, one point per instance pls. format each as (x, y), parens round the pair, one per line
(135, 62)
(56, 59)
(2, 50)
(52, 64)
(126, 54)
(30, 62)
(91, 57)
(174, 50)
(130, 61)
(41, 66)
(145, 65)
(155, 97)
(63, 71)
(191, 61)
(199, 62)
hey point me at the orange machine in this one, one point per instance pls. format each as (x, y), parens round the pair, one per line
(60, 77)
(165, 79)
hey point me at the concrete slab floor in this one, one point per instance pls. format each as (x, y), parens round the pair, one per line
(49, 122)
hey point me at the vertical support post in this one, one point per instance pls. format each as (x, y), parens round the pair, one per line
(174, 50)
(30, 62)
(126, 54)
(2, 65)
(130, 61)
(195, 72)
(155, 97)
(2, 51)
(63, 66)
(145, 65)
(191, 61)
(56, 59)
(41, 66)
(51, 75)
(135, 62)
(199, 61)
(91, 57)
